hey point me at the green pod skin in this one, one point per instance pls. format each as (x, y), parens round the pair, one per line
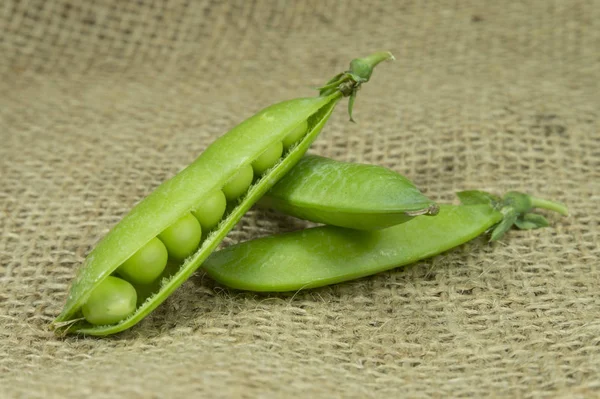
(356, 196)
(185, 192)
(327, 255)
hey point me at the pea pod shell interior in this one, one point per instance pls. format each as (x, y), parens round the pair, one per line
(185, 191)
(359, 196)
(326, 255)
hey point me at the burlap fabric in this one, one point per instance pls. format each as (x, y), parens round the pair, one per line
(102, 101)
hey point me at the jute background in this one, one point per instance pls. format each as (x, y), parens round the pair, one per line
(102, 101)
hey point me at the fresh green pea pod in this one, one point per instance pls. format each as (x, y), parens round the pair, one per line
(352, 195)
(220, 164)
(326, 255)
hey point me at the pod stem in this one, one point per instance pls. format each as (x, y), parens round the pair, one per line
(349, 82)
(541, 203)
(516, 209)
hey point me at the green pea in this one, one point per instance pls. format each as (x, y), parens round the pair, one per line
(112, 301)
(326, 255)
(295, 135)
(358, 196)
(268, 158)
(212, 170)
(211, 211)
(146, 264)
(239, 183)
(182, 237)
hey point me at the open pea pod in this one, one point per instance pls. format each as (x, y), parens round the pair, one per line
(328, 254)
(352, 195)
(126, 275)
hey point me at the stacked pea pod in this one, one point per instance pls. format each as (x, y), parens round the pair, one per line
(366, 231)
(370, 213)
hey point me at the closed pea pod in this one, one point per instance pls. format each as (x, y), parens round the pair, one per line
(326, 255)
(216, 168)
(358, 196)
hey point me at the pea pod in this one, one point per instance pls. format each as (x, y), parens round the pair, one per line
(357, 196)
(165, 213)
(326, 255)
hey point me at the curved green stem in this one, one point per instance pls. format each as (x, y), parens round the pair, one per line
(362, 68)
(554, 206)
(378, 57)
(515, 208)
(349, 82)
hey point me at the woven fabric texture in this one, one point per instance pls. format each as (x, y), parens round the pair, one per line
(102, 101)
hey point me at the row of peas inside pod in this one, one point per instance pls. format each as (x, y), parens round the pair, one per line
(136, 279)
